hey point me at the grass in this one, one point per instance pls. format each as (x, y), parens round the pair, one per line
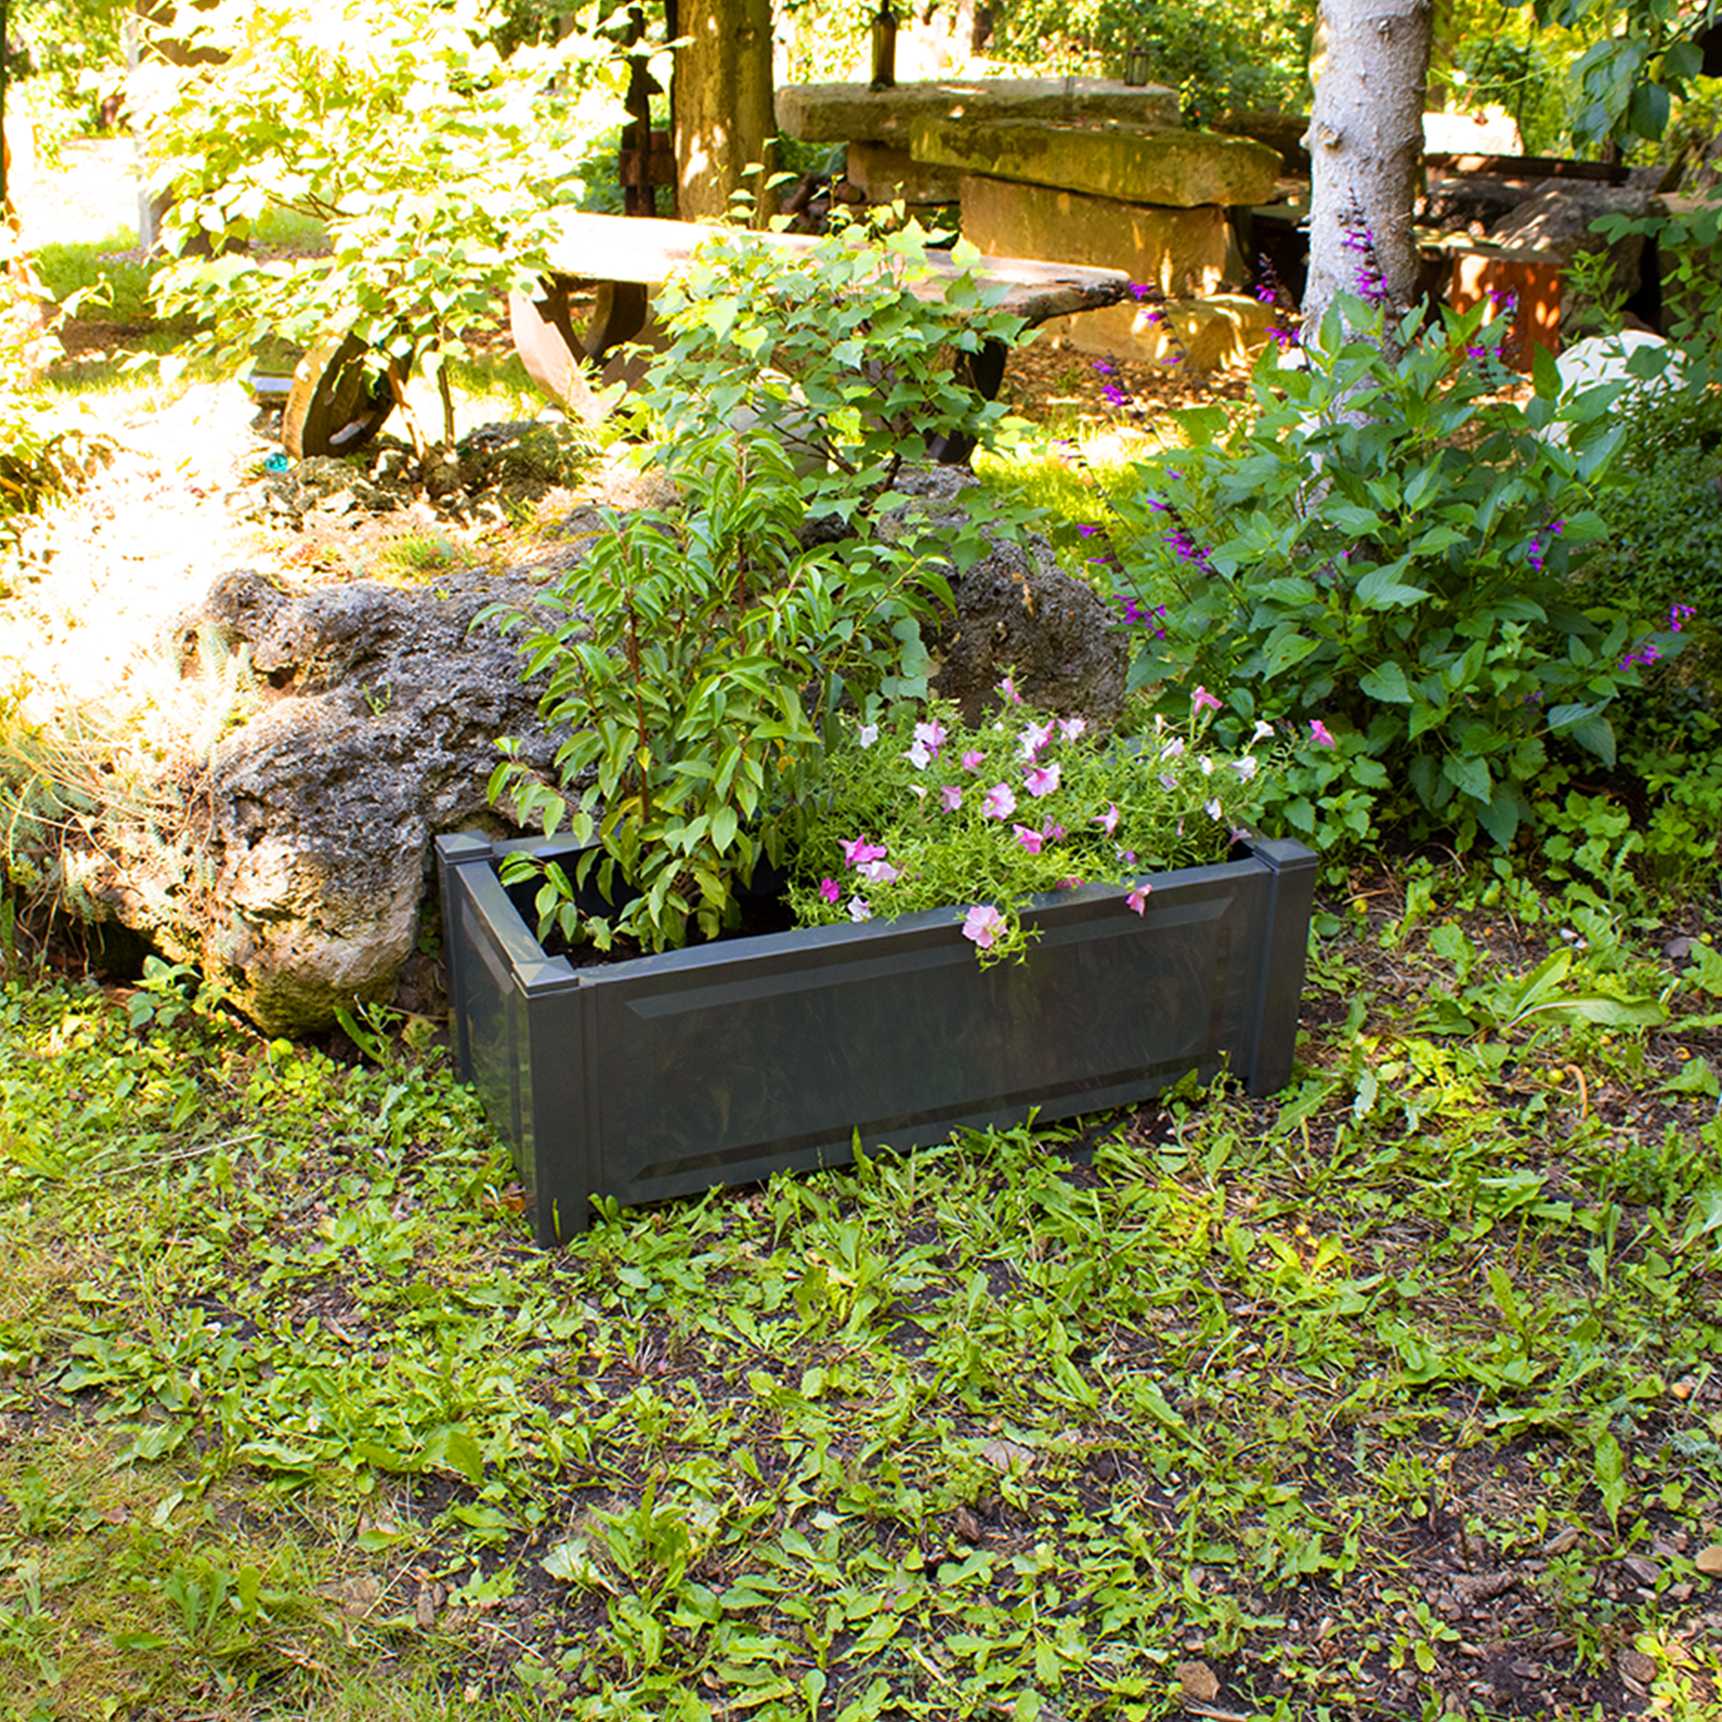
(1395, 1397)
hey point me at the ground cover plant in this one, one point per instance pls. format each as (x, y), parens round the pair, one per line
(1394, 1396)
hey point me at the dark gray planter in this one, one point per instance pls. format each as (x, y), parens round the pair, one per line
(662, 1076)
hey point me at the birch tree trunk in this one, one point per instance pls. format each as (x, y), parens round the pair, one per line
(723, 101)
(1366, 152)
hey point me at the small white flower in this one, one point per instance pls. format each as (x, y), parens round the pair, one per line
(918, 756)
(918, 790)
(859, 909)
(1071, 728)
(1247, 767)
(1173, 749)
(867, 734)
(1214, 810)
(1262, 731)
(1207, 766)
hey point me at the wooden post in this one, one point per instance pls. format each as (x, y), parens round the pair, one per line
(723, 102)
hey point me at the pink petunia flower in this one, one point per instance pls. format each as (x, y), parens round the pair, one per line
(931, 736)
(951, 797)
(1033, 738)
(1071, 728)
(1137, 901)
(1202, 700)
(1029, 838)
(1174, 749)
(1320, 734)
(1007, 689)
(880, 872)
(1041, 780)
(1000, 803)
(982, 925)
(857, 851)
(1052, 831)
(830, 890)
(1108, 821)
(974, 759)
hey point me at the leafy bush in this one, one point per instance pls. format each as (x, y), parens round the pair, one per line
(923, 812)
(437, 165)
(39, 456)
(1384, 555)
(1663, 505)
(1213, 55)
(846, 354)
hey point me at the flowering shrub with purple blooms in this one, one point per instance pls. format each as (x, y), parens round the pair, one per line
(927, 813)
(1384, 557)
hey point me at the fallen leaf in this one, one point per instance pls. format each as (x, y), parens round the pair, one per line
(1710, 1560)
(1198, 1681)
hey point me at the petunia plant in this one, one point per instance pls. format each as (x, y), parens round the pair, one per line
(924, 812)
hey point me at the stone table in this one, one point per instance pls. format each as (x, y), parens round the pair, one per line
(878, 125)
(1152, 201)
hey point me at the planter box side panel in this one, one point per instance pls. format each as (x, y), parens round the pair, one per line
(779, 1060)
(492, 1019)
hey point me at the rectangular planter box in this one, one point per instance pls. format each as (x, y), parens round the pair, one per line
(664, 1075)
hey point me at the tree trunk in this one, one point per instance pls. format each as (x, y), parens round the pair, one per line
(1366, 152)
(722, 99)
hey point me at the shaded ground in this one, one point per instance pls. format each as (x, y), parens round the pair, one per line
(1395, 1397)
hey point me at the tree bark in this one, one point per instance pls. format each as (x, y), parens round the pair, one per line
(1366, 152)
(723, 102)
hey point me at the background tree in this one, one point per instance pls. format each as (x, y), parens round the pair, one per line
(723, 101)
(1366, 152)
(437, 164)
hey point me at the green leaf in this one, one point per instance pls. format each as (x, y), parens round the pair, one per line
(1469, 775)
(1501, 817)
(1382, 589)
(1596, 735)
(1386, 682)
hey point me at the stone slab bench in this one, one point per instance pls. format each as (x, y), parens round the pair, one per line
(334, 408)
(1152, 201)
(878, 125)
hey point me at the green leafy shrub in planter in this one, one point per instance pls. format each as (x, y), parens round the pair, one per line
(695, 657)
(1384, 555)
(698, 656)
(921, 811)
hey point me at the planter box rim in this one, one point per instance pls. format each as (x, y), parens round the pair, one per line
(1265, 854)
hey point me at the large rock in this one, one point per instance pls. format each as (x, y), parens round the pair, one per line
(1018, 612)
(300, 878)
(857, 113)
(1135, 165)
